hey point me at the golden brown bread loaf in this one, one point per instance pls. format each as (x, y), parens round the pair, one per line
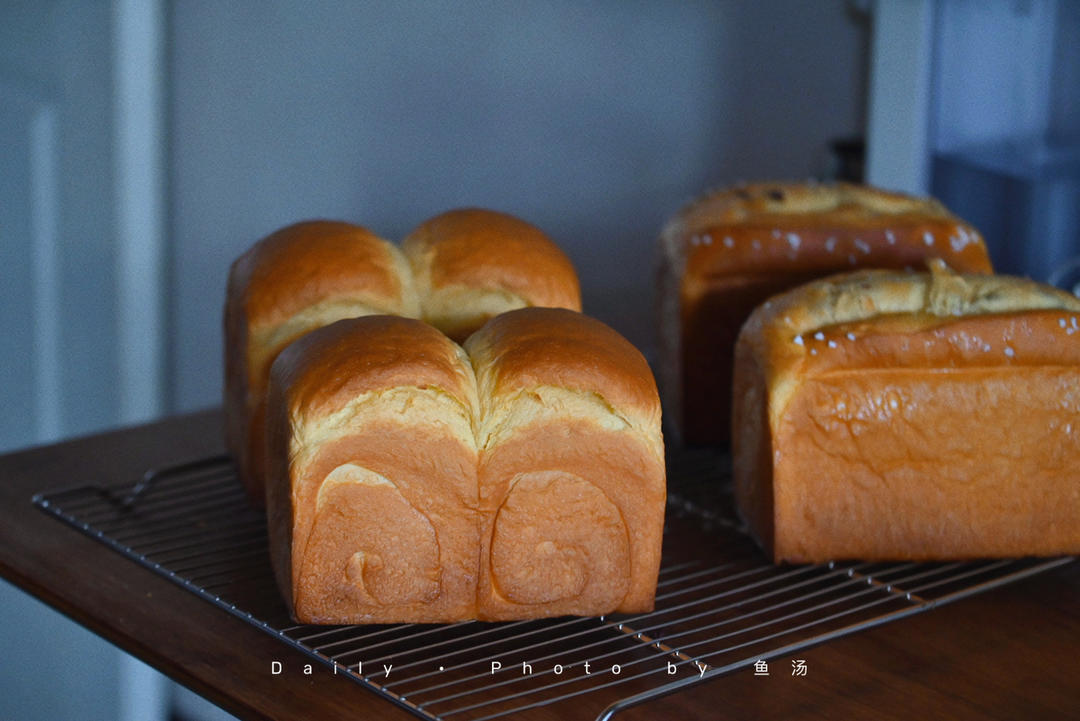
(371, 494)
(300, 278)
(405, 486)
(470, 264)
(882, 415)
(727, 251)
(572, 479)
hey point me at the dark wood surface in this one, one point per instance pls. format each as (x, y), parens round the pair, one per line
(1011, 653)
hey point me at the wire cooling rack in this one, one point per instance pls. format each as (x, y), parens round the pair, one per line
(720, 605)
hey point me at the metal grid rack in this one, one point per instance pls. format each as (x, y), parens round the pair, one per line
(720, 605)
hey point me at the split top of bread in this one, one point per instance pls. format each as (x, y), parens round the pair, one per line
(885, 415)
(411, 480)
(885, 311)
(458, 269)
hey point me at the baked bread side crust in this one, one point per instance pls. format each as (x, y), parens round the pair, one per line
(886, 415)
(300, 278)
(572, 483)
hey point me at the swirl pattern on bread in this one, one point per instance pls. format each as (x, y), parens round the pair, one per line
(413, 480)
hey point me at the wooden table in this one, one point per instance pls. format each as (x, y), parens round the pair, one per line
(1010, 653)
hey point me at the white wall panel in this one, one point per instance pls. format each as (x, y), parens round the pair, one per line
(29, 369)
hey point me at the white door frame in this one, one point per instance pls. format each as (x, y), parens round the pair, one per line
(139, 67)
(139, 156)
(898, 121)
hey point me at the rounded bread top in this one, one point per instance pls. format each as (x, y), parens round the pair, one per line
(329, 367)
(493, 251)
(817, 227)
(887, 320)
(927, 297)
(313, 261)
(533, 347)
(829, 202)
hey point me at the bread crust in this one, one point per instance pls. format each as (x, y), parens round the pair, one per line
(402, 488)
(301, 277)
(371, 498)
(886, 415)
(472, 264)
(570, 450)
(728, 251)
(553, 347)
(348, 359)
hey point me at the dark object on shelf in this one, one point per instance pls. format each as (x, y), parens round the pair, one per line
(847, 159)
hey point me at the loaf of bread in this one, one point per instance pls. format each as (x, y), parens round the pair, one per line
(884, 415)
(410, 482)
(469, 265)
(726, 252)
(572, 479)
(300, 278)
(371, 494)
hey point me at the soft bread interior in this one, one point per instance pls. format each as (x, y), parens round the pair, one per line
(424, 407)
(460, 310)
(267, 342)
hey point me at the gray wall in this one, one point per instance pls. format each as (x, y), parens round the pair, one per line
(54, 59)
(594, 121)
(58, 355)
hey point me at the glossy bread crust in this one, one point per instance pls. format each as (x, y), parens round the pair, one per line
(553, 347)
(462, 267)
(572, 484)
(299, 278)
(371, 495)
(727, 251)
(883, 415)
(411, 481)
(471, 264)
